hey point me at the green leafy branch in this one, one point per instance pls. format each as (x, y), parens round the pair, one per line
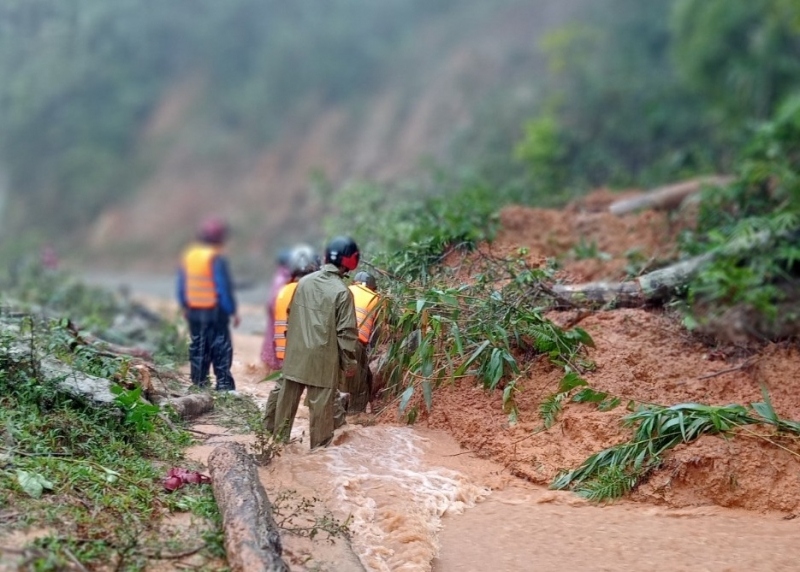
(614, 471)
(478, 330)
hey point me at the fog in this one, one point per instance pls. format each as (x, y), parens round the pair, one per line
(123, 123)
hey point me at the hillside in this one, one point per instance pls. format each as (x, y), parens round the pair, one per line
(278, 193)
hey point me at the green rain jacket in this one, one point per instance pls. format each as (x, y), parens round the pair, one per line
(321, 333)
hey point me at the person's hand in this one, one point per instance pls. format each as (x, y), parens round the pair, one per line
(236, 320)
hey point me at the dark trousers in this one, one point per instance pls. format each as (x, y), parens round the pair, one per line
(359, 385)
(210, 345)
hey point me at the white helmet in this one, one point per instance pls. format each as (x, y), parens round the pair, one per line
(303, 260)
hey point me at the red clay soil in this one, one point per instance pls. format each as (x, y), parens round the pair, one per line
(641, 355)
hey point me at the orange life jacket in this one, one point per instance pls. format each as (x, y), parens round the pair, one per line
(365, 301)
(198, 264)
(282, 302)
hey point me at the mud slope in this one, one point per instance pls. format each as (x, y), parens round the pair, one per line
(643, 355)
(428, 99)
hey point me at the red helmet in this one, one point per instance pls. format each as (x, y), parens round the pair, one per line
(342, 251)
(213, 230)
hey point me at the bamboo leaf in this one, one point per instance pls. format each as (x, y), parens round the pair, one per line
(406, 397)
(609, 404)
(427, 394)
(427, 367)
(584, 337)
(463, 367)
(570, 381)
(589, 395)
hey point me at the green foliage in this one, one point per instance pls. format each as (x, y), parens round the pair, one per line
(588, 251)
(437, 334)
(137, 412)
(646, 92)
(95, 310)
(422, 224)
(545, 152)
(752, 225)
(72, 467)
(618, 113)
(614, 471)
(79, 79)
(745, 57)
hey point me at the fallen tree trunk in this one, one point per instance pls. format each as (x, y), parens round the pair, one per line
(651, 287)
(252, 541)
(668, 197)
(116, 349)
(96, 389)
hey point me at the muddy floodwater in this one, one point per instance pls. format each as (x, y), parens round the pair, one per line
(417, 501)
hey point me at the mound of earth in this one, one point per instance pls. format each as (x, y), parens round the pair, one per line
(641, 356)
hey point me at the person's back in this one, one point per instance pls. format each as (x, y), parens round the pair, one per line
(319, 310)
(301, 261)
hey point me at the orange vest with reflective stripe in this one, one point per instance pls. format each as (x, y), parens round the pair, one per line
(198, 265)
(365, 301)
(282, 317)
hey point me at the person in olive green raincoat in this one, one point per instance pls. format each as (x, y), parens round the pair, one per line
(321, 339)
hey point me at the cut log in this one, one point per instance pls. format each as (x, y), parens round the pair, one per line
(191, 406)
(252, 540)
(668, 197)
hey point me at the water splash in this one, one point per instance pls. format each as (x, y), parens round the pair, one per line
(396, 502)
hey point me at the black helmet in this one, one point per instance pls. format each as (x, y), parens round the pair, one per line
(342, 251)
(302, 261)
(366, 279)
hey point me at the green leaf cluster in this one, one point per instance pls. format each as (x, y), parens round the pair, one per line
(614, 471)
(489, 330)
(752, 225)
(89, 474)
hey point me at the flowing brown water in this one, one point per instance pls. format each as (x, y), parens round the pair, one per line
(418, 502)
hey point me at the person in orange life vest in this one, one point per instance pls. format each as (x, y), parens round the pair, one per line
(301, 261)
(365, 298)
(283, 275)
(205, 293)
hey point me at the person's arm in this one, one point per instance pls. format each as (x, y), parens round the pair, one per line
(346, 331)
(222, 279)
(180, 291)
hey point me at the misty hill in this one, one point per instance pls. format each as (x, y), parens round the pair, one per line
(133, 122)
(122, 123)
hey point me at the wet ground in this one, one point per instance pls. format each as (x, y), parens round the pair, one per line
(418, 501)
